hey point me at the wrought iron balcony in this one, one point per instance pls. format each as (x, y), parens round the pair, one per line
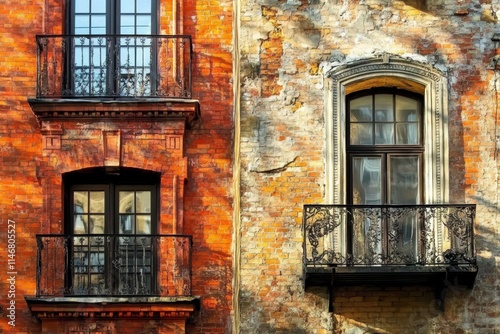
(114, 66)
(113, 265)
(389, 244)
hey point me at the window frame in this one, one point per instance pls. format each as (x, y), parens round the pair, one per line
(112, 12)
(384, 151)
(112, 68)
(342, 79)
(111, 184)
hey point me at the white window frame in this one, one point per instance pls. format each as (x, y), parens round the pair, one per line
(343, 79)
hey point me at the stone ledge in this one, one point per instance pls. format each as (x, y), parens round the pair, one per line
(113, 307)
(137, 109)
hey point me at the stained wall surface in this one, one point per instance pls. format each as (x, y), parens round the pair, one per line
(287, 49)
(198, 165)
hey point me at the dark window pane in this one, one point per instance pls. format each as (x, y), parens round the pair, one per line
(384, 108)
(361, 134)
(404, 178)
(367, 180)
(361, 109)
(384, 134)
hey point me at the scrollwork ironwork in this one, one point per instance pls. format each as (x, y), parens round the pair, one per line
(114, 66)
(113, 265)
(389, 235)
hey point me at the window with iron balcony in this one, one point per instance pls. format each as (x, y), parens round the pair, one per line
(118, 91)
(388, 218)
(113, 50)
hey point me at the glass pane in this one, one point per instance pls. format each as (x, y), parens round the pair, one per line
(361, 109)
(403, 236)
(96, 224)
(127, 6)
(127, 24)
(143, 56)
(361, 134)
(98, 56)
(143, 25)
(82, 24)
(407, 109)
(384, 134)
(80, 284)
(80, 201)
(82, 6)
(127, 224)
(80, 224)
(127, 204)
(407, 133)
(384, 108)
(143, 6)
(98, 6)
(143, 204)
(127, 57)
(98, 24)
(367, 180)
(404, 178)
(143, 224)
(97, 201)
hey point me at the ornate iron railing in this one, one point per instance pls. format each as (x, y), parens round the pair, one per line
(114, 66)
(383, 235)
(113, 265)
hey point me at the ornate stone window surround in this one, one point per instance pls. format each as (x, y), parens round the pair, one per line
(392, 71)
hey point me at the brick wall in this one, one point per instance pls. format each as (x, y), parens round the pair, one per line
(285, 48)
(30, 176)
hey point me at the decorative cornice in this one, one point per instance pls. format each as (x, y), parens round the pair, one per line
(105, 308)
(126, 109)
(385, 63)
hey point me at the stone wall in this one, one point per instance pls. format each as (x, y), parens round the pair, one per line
(286, 47)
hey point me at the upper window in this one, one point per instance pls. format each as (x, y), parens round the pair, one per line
(384, 149)
(112, 220)
(107, 17)
(113, 50)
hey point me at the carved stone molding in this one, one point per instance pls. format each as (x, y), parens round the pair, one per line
(432, 84)
(132, 109)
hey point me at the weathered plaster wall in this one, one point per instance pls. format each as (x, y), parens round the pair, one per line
(205, 166)
(286, 47)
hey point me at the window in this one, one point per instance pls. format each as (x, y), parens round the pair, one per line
(396, 156)
(112, 53)
(385, 148)
(384, 153)
(112, 225)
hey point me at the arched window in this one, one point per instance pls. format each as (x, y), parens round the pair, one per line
(416, 86)
(386, 143)
(112, 218)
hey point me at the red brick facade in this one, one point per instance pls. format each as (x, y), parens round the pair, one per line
(188, 142)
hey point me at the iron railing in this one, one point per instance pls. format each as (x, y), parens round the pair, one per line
(113, 265)
(114, 66)
(385, 235)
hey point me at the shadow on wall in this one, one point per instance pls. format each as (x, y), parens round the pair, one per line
(258, 320)
(391, 309)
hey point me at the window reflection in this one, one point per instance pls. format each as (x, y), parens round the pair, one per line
(367, 180)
